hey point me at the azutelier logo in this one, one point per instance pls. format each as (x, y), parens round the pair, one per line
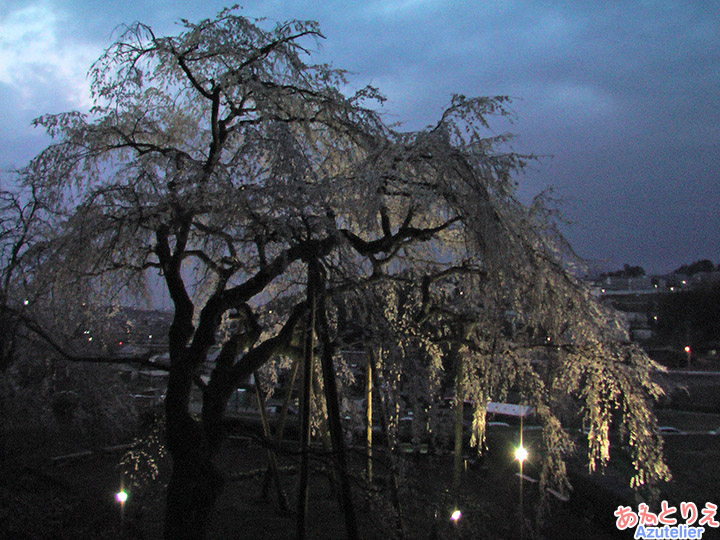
(649, 525)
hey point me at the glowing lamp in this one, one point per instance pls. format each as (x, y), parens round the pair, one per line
(521, 454)
(121, 496)
(455, 516)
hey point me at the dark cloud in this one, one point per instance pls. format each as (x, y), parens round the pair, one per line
(18, 141)
(624, 95)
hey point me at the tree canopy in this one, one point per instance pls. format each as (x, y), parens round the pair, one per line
(225, 162)
(627, 272)
(703, 265)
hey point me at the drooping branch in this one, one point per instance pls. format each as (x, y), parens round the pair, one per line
(276, 44)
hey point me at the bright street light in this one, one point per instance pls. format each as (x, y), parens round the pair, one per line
(456, 515)
(521, 454)
(121, 496)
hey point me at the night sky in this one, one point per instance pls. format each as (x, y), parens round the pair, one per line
(622, 98)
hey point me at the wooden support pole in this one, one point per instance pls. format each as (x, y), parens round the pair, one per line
(368, 399)
(324, 428)
(280, 428)
(395, 483)
(302, 502)
(272, 458)
(286, 404)
(459, 405)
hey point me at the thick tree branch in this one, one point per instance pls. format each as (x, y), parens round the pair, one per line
(240, 294)
(38, 330)
(182, 327)
(387, 243)
(280, 343)
(182, 62)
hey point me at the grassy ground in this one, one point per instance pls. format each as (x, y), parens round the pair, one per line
(688, 420)
(693, 459)
(40, 501)
(75, 500)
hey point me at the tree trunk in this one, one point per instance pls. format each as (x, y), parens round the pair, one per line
(7, 339)
(333, 410)
(195, 483)
(194, 487)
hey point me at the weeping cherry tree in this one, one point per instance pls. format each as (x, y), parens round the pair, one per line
(224, 162)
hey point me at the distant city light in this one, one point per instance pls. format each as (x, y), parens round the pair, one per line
(120, 343)
(521, 454)
(687, 349)
(456, 515)
(26, 302)
(121, 496)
